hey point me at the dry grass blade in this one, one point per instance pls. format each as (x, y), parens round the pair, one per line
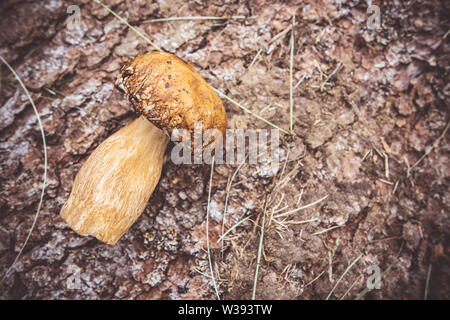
(232, 228)
(302, 221)
(366, 290)
(427, 283)
(351, 287)
(226, 200)
(276, 38)
(207, 230)
(280, 35)
(128, 25)
(315, 279)
(331, 75)
(248, 111)
(159, 49)
(261, 238)
(44, 179)
(326, 230)
(199, 18)
(430, 148)
(255, 58)
(300, 196)
(285, 163)
(342, 276)
(446, 34)
(301, 208)
(291, 89)
(300, 81)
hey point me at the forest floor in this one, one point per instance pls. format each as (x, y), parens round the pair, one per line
(369, 151)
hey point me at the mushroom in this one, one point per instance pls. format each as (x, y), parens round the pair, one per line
(114, 185)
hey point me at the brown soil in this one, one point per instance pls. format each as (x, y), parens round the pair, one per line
(369, 99)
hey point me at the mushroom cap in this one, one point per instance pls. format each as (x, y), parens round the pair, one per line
(171, 94)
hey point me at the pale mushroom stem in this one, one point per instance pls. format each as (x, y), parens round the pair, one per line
(114, 185)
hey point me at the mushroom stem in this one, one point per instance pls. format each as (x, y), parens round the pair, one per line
(114, 185)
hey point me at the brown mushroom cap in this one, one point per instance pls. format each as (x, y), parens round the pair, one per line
(171, 94)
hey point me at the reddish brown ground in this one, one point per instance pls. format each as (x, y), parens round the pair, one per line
(386, 102)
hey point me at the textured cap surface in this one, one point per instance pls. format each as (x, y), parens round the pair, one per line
(170, 93)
